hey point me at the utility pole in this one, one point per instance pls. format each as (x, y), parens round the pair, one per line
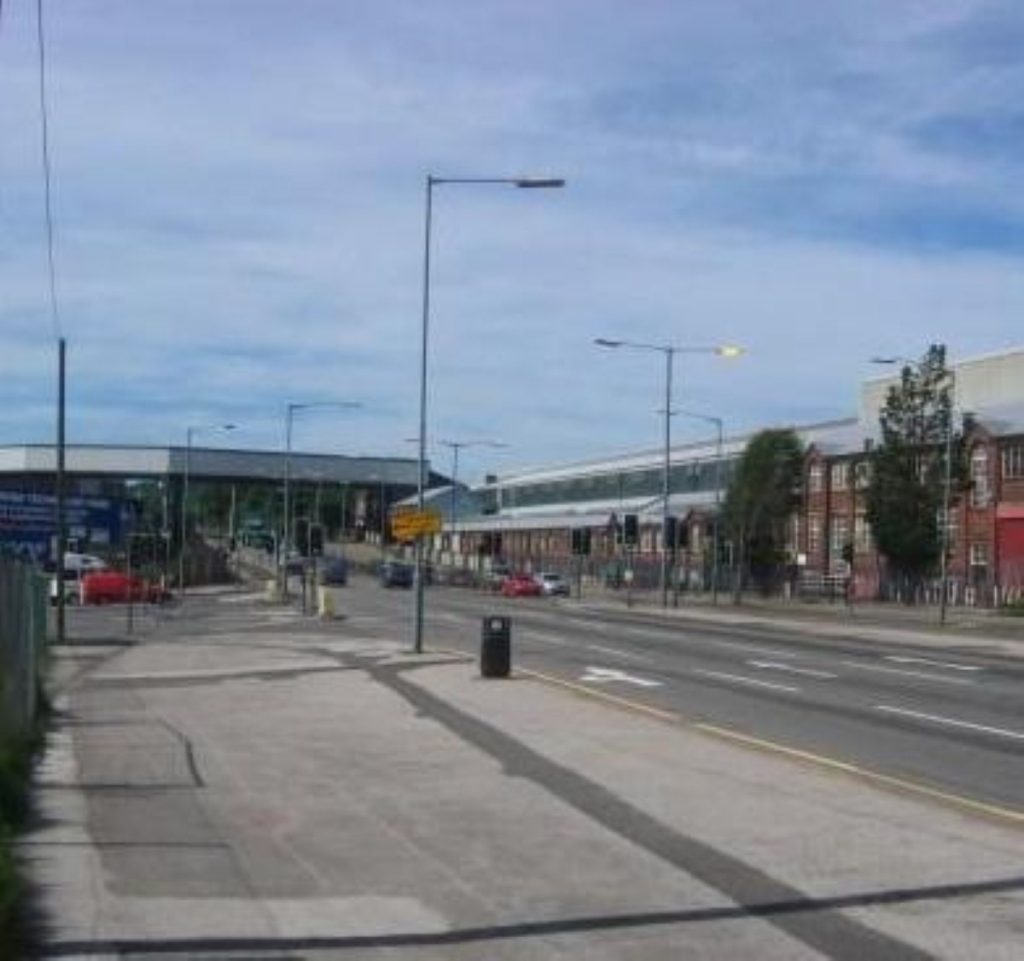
(62, 529)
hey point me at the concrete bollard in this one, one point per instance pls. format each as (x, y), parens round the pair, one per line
(325, 603)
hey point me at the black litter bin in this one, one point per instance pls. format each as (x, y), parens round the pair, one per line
(496, 647)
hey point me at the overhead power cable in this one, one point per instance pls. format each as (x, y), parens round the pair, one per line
(47, 173)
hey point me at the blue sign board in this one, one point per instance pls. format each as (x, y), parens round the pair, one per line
(28, 523)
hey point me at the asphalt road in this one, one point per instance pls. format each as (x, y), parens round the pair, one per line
(949, 722)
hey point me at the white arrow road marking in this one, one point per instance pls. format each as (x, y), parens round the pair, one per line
(895, 670)
(952, 722)
(775, 666)
(740, 679)
(601, 675)
(925, 660)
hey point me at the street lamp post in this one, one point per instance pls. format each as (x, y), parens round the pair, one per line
(525, 183)
(191, 432)
(669, 350)
(455, 446)
(285, 541)
(717, 421)
(947, 480)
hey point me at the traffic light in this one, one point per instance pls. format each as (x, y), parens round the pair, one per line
(630, 530)
(581, 540)
(301, 536)
(316, 540)
(671, 532)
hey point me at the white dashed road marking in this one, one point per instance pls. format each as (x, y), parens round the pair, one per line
(806, 671)
(741, 679)
(951, 722)
(942, 678)
(924, 660)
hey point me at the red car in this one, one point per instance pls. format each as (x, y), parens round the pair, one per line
(113, 587)
(520, 585)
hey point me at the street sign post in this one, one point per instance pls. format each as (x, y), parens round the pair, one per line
(407, 525)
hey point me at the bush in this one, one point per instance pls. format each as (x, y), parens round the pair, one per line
(1014, 608)
(15, 771)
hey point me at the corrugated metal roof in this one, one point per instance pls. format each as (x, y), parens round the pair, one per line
(139, 462)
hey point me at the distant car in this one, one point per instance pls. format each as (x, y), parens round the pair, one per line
(520, 585)
(115, 587)
(396, 574)
(496, 575)
(83, 563)
(551, 584)
(295, 564)
(335, 572)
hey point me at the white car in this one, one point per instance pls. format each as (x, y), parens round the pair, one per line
(83, 563)
(552, 584)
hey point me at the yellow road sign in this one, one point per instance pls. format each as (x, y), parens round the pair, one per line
(409, 524)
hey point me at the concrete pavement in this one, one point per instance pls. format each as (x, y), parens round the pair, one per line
(250, 783)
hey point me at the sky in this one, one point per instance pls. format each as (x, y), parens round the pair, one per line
(239, 199)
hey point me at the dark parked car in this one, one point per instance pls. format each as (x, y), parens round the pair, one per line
(335, 572)
(396, 574)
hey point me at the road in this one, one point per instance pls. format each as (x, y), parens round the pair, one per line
(946, 722)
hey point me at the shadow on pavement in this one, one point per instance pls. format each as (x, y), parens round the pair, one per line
(529, 929)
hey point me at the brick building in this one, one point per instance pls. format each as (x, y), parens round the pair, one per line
(527, 518)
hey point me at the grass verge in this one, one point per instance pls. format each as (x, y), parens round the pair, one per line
(15, 773)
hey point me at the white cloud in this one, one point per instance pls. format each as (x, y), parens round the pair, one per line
(240, 209)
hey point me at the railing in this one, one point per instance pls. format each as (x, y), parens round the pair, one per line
(23, 616)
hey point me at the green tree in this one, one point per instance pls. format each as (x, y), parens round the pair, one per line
(761, 498)
(908, 469)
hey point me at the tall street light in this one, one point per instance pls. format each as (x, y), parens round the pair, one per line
(669, 350)
(717, 421)
(191, 432)
(947, 480)
(455, 446)
(290, 410)
(522, 183)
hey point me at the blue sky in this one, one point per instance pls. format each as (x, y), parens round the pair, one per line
(239, 202)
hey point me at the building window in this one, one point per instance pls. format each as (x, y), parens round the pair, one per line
(979, 555)
(951, 532)
(840, 476)
(861, 534)
(862, 474)
(838, 535)
(814, 478)
(813, 534)
(1013, 461)
(793, 540)
(979, 478)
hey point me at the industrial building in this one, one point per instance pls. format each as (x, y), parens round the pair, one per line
(527, 518)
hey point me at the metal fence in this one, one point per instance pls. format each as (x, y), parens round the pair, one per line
(23, 617)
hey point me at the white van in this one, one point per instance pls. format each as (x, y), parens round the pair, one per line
(82, 563)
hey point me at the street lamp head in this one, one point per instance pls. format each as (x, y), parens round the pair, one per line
(537, 183)
(605, 342)
(729, 350)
